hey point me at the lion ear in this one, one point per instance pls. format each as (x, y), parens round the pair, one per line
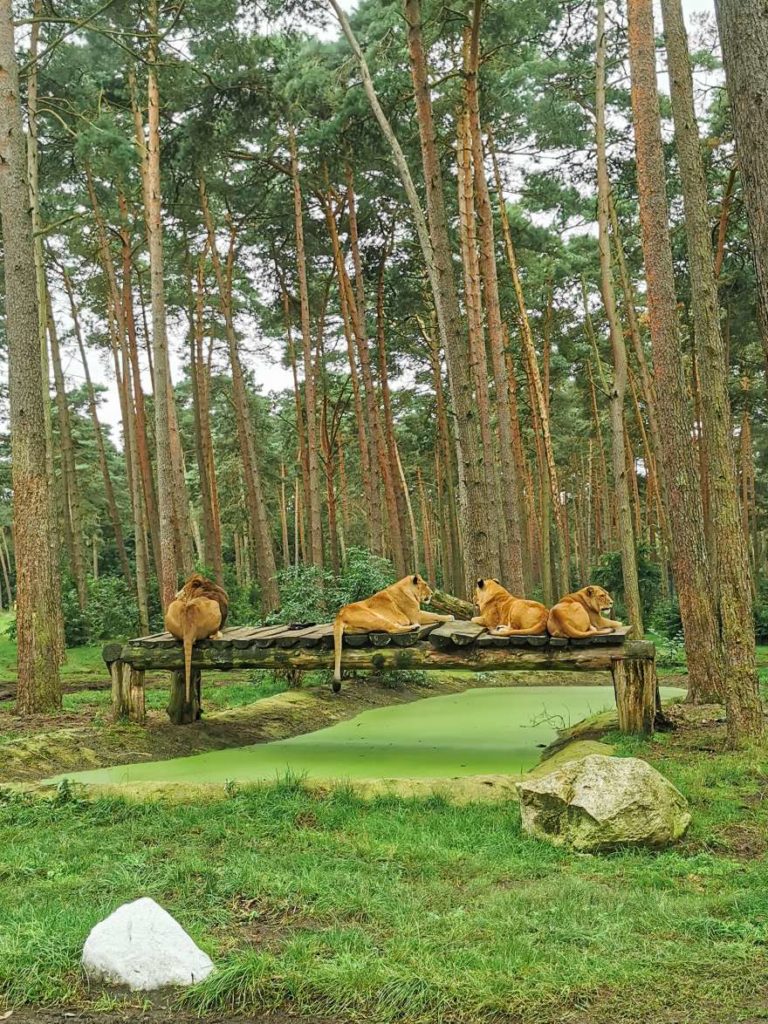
(480, 584)
(415, 579)
(590, 591)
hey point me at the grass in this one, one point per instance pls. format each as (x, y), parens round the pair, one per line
(81, 663)
(404, 910)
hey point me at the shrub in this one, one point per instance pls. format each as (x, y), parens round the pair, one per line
(666, 618)
(607, 573)
(311, 594)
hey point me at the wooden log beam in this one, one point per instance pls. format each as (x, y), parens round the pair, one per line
(422, 656)
(450, 605)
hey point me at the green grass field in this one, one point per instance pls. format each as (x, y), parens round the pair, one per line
(405, 910)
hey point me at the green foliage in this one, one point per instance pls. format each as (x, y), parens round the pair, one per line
(666, 618)
(761, 613)
(310, 594)
(607, 573)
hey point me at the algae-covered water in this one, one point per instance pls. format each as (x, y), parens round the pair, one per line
(495, 730)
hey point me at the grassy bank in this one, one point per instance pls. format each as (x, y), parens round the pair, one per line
(407, 910)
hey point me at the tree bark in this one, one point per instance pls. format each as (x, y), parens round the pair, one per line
(743, 28)
(38, 611)
(633, 606)
(691, 566)
(731, 577)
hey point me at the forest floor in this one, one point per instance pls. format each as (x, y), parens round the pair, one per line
(331, 907)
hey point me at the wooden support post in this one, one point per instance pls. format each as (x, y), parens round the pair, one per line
(118, 670)
(636, 688)
(137, 711)
(179, 710)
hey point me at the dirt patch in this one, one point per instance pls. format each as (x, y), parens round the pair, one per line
(138, 1014)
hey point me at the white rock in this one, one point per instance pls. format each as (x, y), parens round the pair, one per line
(140, 945)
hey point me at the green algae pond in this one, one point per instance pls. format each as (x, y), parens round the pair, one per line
(494, 730)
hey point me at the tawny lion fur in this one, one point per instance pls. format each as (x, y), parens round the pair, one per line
(581, 614)
(507, 615)
(396, 609)
(199, 610)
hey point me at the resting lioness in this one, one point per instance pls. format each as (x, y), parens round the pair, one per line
(198, 610)
(580, 614)
(393, 610)
(506, 615)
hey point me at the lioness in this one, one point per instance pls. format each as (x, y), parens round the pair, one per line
(395, 609)
(198, 610)
(506, 615)
(580, 614)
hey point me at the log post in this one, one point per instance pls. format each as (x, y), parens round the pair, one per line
(118, 670)
(137, 711)
(635, 687)
(179, 710)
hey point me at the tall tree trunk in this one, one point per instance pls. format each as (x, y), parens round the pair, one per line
(257, 513)
(689, 555)
(310, 397)
(743, 28)
(170, 561)
(143, 462)
(512, 551)
(486, 453)
(731, 577)
(73, 510)
(537, 389)
(109, 491)
(634, 608)
(203, 442)
(476, 532)
(38, 611)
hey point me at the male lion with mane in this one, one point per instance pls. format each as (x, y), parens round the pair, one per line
(507, 615)
(581, 614)
(396, 609)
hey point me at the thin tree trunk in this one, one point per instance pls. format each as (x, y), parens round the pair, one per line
(265, 557)
(486, 453)
(731, 578)
(722, 226)
(537, 389)
(149, 152)
(310, 399)
(38, 610)
(437, 259)
(73, 511)
(203, 438)
(633, 605)
(109, 491)
(691, 566)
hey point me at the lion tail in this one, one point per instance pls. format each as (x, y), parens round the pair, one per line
(537, 630)
(188, 640)
(338, 635)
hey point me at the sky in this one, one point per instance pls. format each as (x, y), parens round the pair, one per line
(266, 367)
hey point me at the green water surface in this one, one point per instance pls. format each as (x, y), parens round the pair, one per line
(492, 730)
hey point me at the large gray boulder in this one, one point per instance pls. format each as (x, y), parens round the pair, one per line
(599, 803)
(140, 945)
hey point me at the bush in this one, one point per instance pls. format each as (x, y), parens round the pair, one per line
(607, 573)
(310, 594)
(761, 613)
(666, 619)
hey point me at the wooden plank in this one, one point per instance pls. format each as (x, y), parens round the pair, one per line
(409, 639)
(557, 641)
(292, 637)
(492, 640)
(320, 636)
(458, 633)
(356, 640)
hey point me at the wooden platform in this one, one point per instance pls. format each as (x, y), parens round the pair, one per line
(451, 645)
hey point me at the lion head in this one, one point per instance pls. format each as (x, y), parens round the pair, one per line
(597, 599)
(486, 591)
(419, 587)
